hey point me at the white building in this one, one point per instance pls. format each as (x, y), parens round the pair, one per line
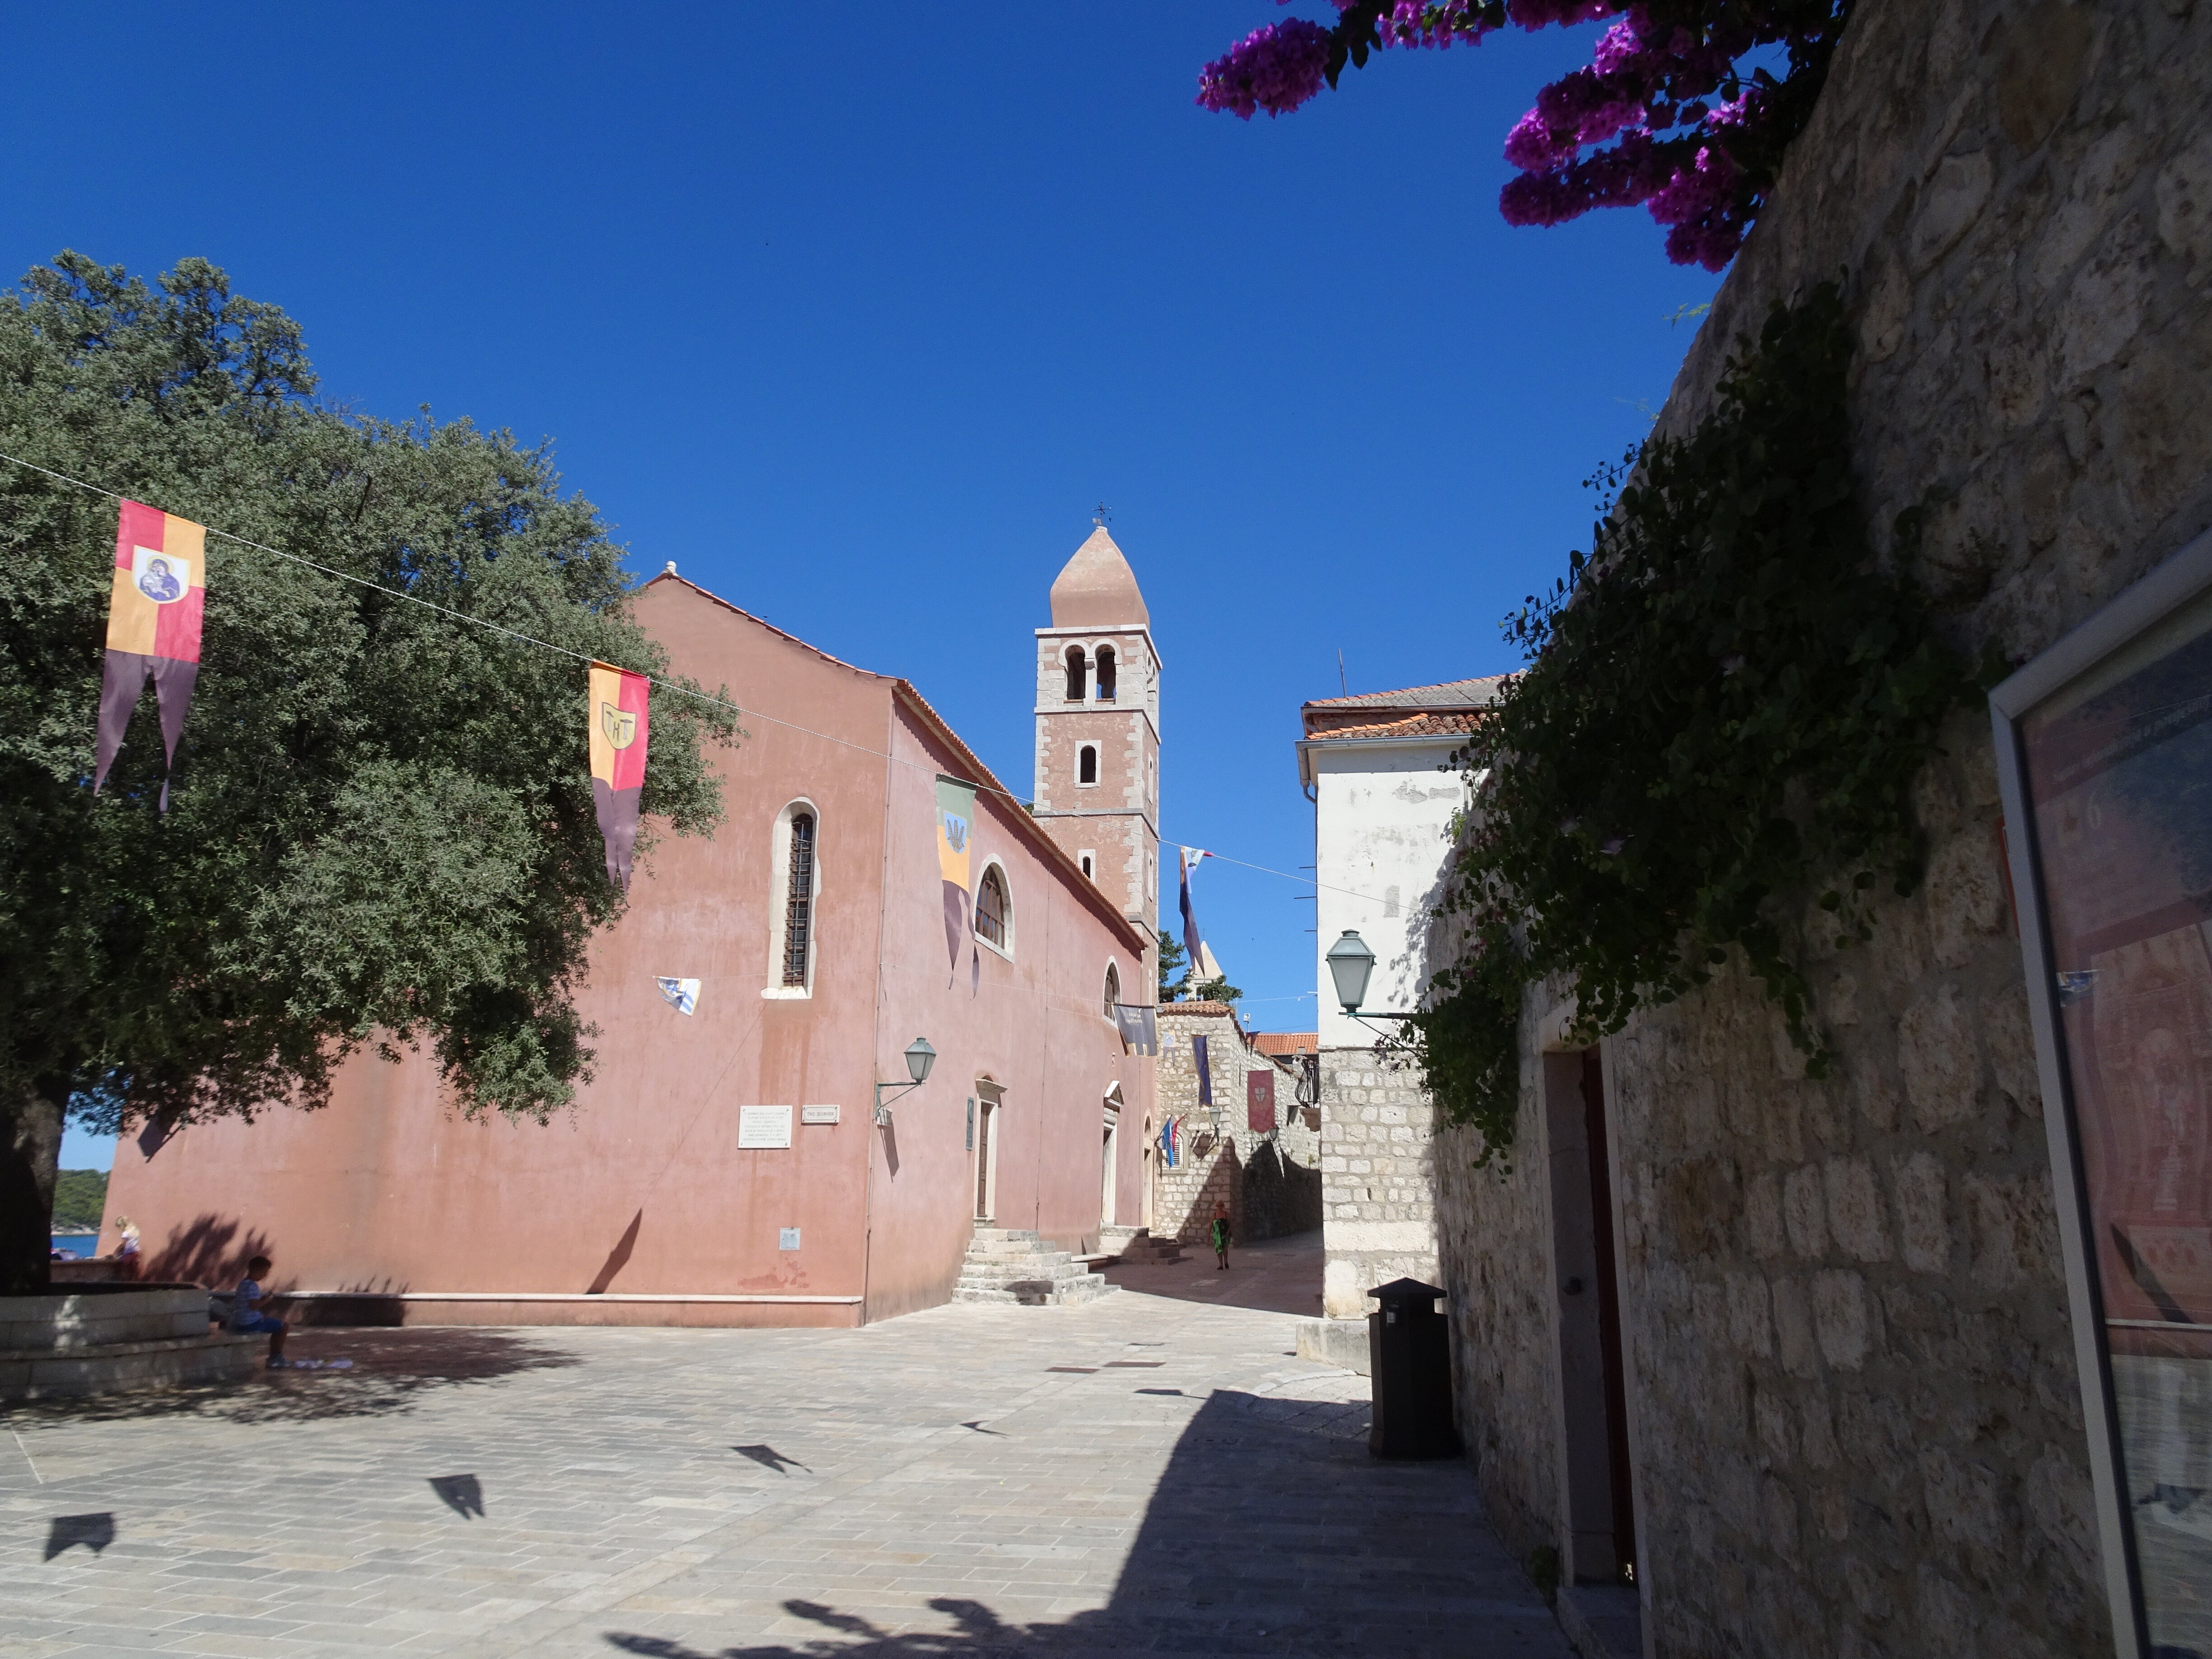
(1386, 794)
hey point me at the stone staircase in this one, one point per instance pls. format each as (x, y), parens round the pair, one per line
(1011, 1266)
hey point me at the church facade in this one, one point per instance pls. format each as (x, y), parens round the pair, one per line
(728, 1165)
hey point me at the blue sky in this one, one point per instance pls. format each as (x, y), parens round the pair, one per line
(857, 322)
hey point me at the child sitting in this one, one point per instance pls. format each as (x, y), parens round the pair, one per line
(247, 1319)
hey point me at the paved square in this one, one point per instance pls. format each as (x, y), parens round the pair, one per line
(1141, 1475)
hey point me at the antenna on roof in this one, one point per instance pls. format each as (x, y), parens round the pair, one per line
(1340, 686)
(1100, 514)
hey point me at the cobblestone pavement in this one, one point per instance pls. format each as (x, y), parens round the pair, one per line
(1278, 1275)
(1139, 1474)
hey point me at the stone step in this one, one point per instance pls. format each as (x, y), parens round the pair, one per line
(1039, 1293)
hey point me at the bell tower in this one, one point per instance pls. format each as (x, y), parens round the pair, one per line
(1098, 735)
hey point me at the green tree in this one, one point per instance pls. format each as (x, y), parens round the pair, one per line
(80, 1198)
(1213, 990)
(1170, 959)
(382, 833)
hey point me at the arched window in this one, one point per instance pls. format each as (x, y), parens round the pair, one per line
(1078, 679)
(992, 910)
(1088, 860)
(798, 900)
(1105, 673)
(1086, 763)
(1113, 989)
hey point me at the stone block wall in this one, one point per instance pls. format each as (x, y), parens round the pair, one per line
(1854, 1407)
(1378, 1193)
(1271, 1183)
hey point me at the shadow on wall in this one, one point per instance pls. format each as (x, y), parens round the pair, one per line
(1224, 1189)
(1281, 1196)
(212, 1252)
(1287, 1480)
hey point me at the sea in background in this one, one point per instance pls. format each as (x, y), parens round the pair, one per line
(80, 1245)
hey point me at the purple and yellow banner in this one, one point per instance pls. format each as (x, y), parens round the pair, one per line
(155, 602)
(955, 831)
(618, 704)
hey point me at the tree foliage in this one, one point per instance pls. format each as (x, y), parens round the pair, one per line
(382, 830)
(1728, 698)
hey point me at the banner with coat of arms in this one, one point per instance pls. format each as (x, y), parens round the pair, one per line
(155, 603)
(618, 723)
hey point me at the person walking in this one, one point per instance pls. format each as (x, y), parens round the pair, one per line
(1221, 1234)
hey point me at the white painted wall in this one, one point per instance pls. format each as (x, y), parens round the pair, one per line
(1382, 820)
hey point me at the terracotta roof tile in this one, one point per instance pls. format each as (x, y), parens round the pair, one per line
(1469, 694)
(1286, 1042)
(1413, 726)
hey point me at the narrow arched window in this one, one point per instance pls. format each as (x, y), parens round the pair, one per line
(1105, 673)
(1078, 677)
(1113, 989)
(1086, 763)
(798, 900)
(991, 907)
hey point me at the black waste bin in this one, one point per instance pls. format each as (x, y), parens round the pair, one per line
(1409, 1355)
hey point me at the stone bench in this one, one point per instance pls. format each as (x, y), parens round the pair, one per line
(104, 1339)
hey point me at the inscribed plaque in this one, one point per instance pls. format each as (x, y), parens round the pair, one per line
(763, 1126)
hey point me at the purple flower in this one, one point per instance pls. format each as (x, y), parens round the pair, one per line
(1274, 69)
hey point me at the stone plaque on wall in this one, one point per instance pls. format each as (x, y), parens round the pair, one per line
(763, 1126)
(818, 1115)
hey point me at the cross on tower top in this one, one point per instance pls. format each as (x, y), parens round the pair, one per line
(1099, 514)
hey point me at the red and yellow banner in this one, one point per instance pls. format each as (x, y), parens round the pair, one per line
(155, 602)
(618, 700)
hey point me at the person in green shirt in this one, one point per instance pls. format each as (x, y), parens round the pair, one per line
(1221, 1234)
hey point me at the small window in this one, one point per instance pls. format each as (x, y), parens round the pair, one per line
(1086, 763)
(1105, 673)
(1088, 860)
(991, 907)
(798, 901)
(1113, 989)
(1078, 677)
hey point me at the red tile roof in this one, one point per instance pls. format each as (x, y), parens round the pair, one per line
(1417, 711)
(1286, 1042)
(1413, 726)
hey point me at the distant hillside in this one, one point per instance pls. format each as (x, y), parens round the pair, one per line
(80, 1198)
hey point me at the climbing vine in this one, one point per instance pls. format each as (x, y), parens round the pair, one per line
(1727, 697)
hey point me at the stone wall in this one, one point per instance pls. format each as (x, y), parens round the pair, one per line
(1853, 1400)
(1272, 1181)
(1378, 1193)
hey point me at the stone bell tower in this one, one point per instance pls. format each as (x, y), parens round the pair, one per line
(1098, 734)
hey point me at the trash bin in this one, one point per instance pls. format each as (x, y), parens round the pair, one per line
(1409, 1355)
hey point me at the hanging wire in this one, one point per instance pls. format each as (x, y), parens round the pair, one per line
(586, 657)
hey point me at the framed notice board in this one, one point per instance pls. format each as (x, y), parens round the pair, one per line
(2103, 748)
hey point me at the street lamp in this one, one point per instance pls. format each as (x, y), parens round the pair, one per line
(1350, 964)
(920, 1057)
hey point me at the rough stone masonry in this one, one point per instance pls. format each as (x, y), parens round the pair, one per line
(1853, 1405)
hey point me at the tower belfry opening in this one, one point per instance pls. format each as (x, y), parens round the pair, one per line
(1098, 732)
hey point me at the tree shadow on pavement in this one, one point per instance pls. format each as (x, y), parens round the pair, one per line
(1271, 1531)
(391, 1370)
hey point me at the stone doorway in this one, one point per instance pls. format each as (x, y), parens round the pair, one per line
(989, 1098)
(1596, 1475)
(1111, 1148)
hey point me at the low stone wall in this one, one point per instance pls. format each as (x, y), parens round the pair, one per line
(81, 1342)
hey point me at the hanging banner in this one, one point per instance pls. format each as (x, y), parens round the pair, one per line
(1205, 1070)
(681, 994)
(155, 602)
(617, 714)
(956, 828)
(1170, 1142)
(1203, 967)
(1260, 1102)
(1138, 1031)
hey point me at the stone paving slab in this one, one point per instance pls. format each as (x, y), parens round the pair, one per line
(1135, 1475)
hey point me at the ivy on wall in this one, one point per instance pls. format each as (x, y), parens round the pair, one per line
(1725, 700)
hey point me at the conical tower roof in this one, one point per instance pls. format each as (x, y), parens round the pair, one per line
(1097, 589)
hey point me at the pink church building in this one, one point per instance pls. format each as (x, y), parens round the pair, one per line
(726, 1168)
